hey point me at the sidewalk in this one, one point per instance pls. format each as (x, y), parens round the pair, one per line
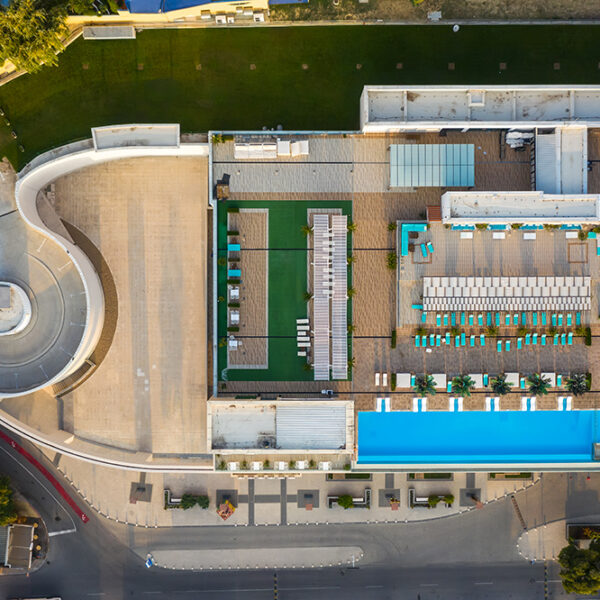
(138, 499)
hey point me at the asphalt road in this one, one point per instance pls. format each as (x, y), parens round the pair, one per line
(469, 557)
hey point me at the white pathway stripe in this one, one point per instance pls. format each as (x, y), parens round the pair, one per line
(321, 308)
(63, 532)
(339, 301)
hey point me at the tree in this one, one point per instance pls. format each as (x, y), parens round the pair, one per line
(433, 500)
(203, 501)
(392, 226)
(462, 386)
(351, 260)
(31, 34)
(577, 384)
(306, 230)
(580, 571)
(351, 292)
(500, 386)
(538, 385)
(492, 331)
(307, 296)
(345, 501)
(8, 512)
(352, 226)
(424, 385)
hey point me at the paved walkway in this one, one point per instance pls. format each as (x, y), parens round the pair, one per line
(138, 499)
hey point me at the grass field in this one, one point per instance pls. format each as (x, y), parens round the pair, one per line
(287, 283)
(155, 78)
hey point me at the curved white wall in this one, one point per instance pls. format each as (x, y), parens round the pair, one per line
(34, 178)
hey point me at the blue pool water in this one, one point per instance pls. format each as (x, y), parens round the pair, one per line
(476, 437)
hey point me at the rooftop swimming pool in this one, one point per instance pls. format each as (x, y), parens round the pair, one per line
(476, 437)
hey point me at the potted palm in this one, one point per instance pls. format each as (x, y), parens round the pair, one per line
(577, 384)
(462, 386)
(500, 386)
(538, 385)
(424, 385)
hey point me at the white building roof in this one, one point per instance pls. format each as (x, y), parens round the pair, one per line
(519, 207)
(397, 108)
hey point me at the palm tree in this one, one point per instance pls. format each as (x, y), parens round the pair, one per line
(492, 331)
(307, 296)
(352, 226)
(351, 328)
(392, 226)
(351, 260)
(351, 292)
(577, 384)
(462, 386)
(538, 385)
(424, 385)
(500, 386)
(351, 362)
(307, 367)
(306, 230)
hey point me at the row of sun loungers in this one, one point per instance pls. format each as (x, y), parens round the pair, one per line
(302, 336)
(531, 339)
(492, 404)
(508, 319)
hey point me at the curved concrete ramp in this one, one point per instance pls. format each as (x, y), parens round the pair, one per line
(257, 558)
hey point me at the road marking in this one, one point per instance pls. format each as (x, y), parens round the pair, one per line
(62, 532)
(373, 587)
(324, 587)
(429, 584)
(41, 483)
(237, 591)
(484, 583)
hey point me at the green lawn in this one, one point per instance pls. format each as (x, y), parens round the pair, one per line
(287, 283)
(61, 104)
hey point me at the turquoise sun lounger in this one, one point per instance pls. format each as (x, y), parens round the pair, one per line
(424, 341)
(534, 319)
(507, 319)
(432, 339)
(438, 320)
(499, 346)
(424, 317)
(577, 318)
(472, 341)
(457, 341)
(417, 341)
(543, 340)
(453, 319)
(534, 339)
(446, 317)
(519, 343)
(424, 250)
(482, 339)
(463, 339)
(480, 319)
(569, 320)
(507, 345)
(497, 319)
(489, 319)
(553, 319)
(462, 318)
(544, 319)
(556, 339)
(430, 247)
(471, 320)
(447, 338)
(528, 339)
(563, 339)
(516, 319)
(570, 338)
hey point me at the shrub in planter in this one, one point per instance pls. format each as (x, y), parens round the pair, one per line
(481, 226)
(188, 501)
(345, 501)
(394, 338)
(222, 465)
(234, 305)
(222, 261)
(433, 500)
(312, 464)
(449, 499)
(244, 465)
(203, 501)
(588, 336)
(234, 281)
(233, 232)
(347, 467)
(233, 328)
(233, 209)
(393, 381)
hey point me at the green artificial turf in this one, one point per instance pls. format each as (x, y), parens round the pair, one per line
(60, 104)
(287, 283)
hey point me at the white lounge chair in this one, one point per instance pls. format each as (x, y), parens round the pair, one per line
(325, 466)
(488, 404)
(424, 404)
(460, 404)
(256, 465)
(280, 465)
(415, 405)
(377, 379)
(233, 466)
(388, 404)
(523, 403)
(532, 403)
(451, 404)
(384, 380)
(379, 404)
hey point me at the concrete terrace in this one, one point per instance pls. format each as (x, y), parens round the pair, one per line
(147, 217)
